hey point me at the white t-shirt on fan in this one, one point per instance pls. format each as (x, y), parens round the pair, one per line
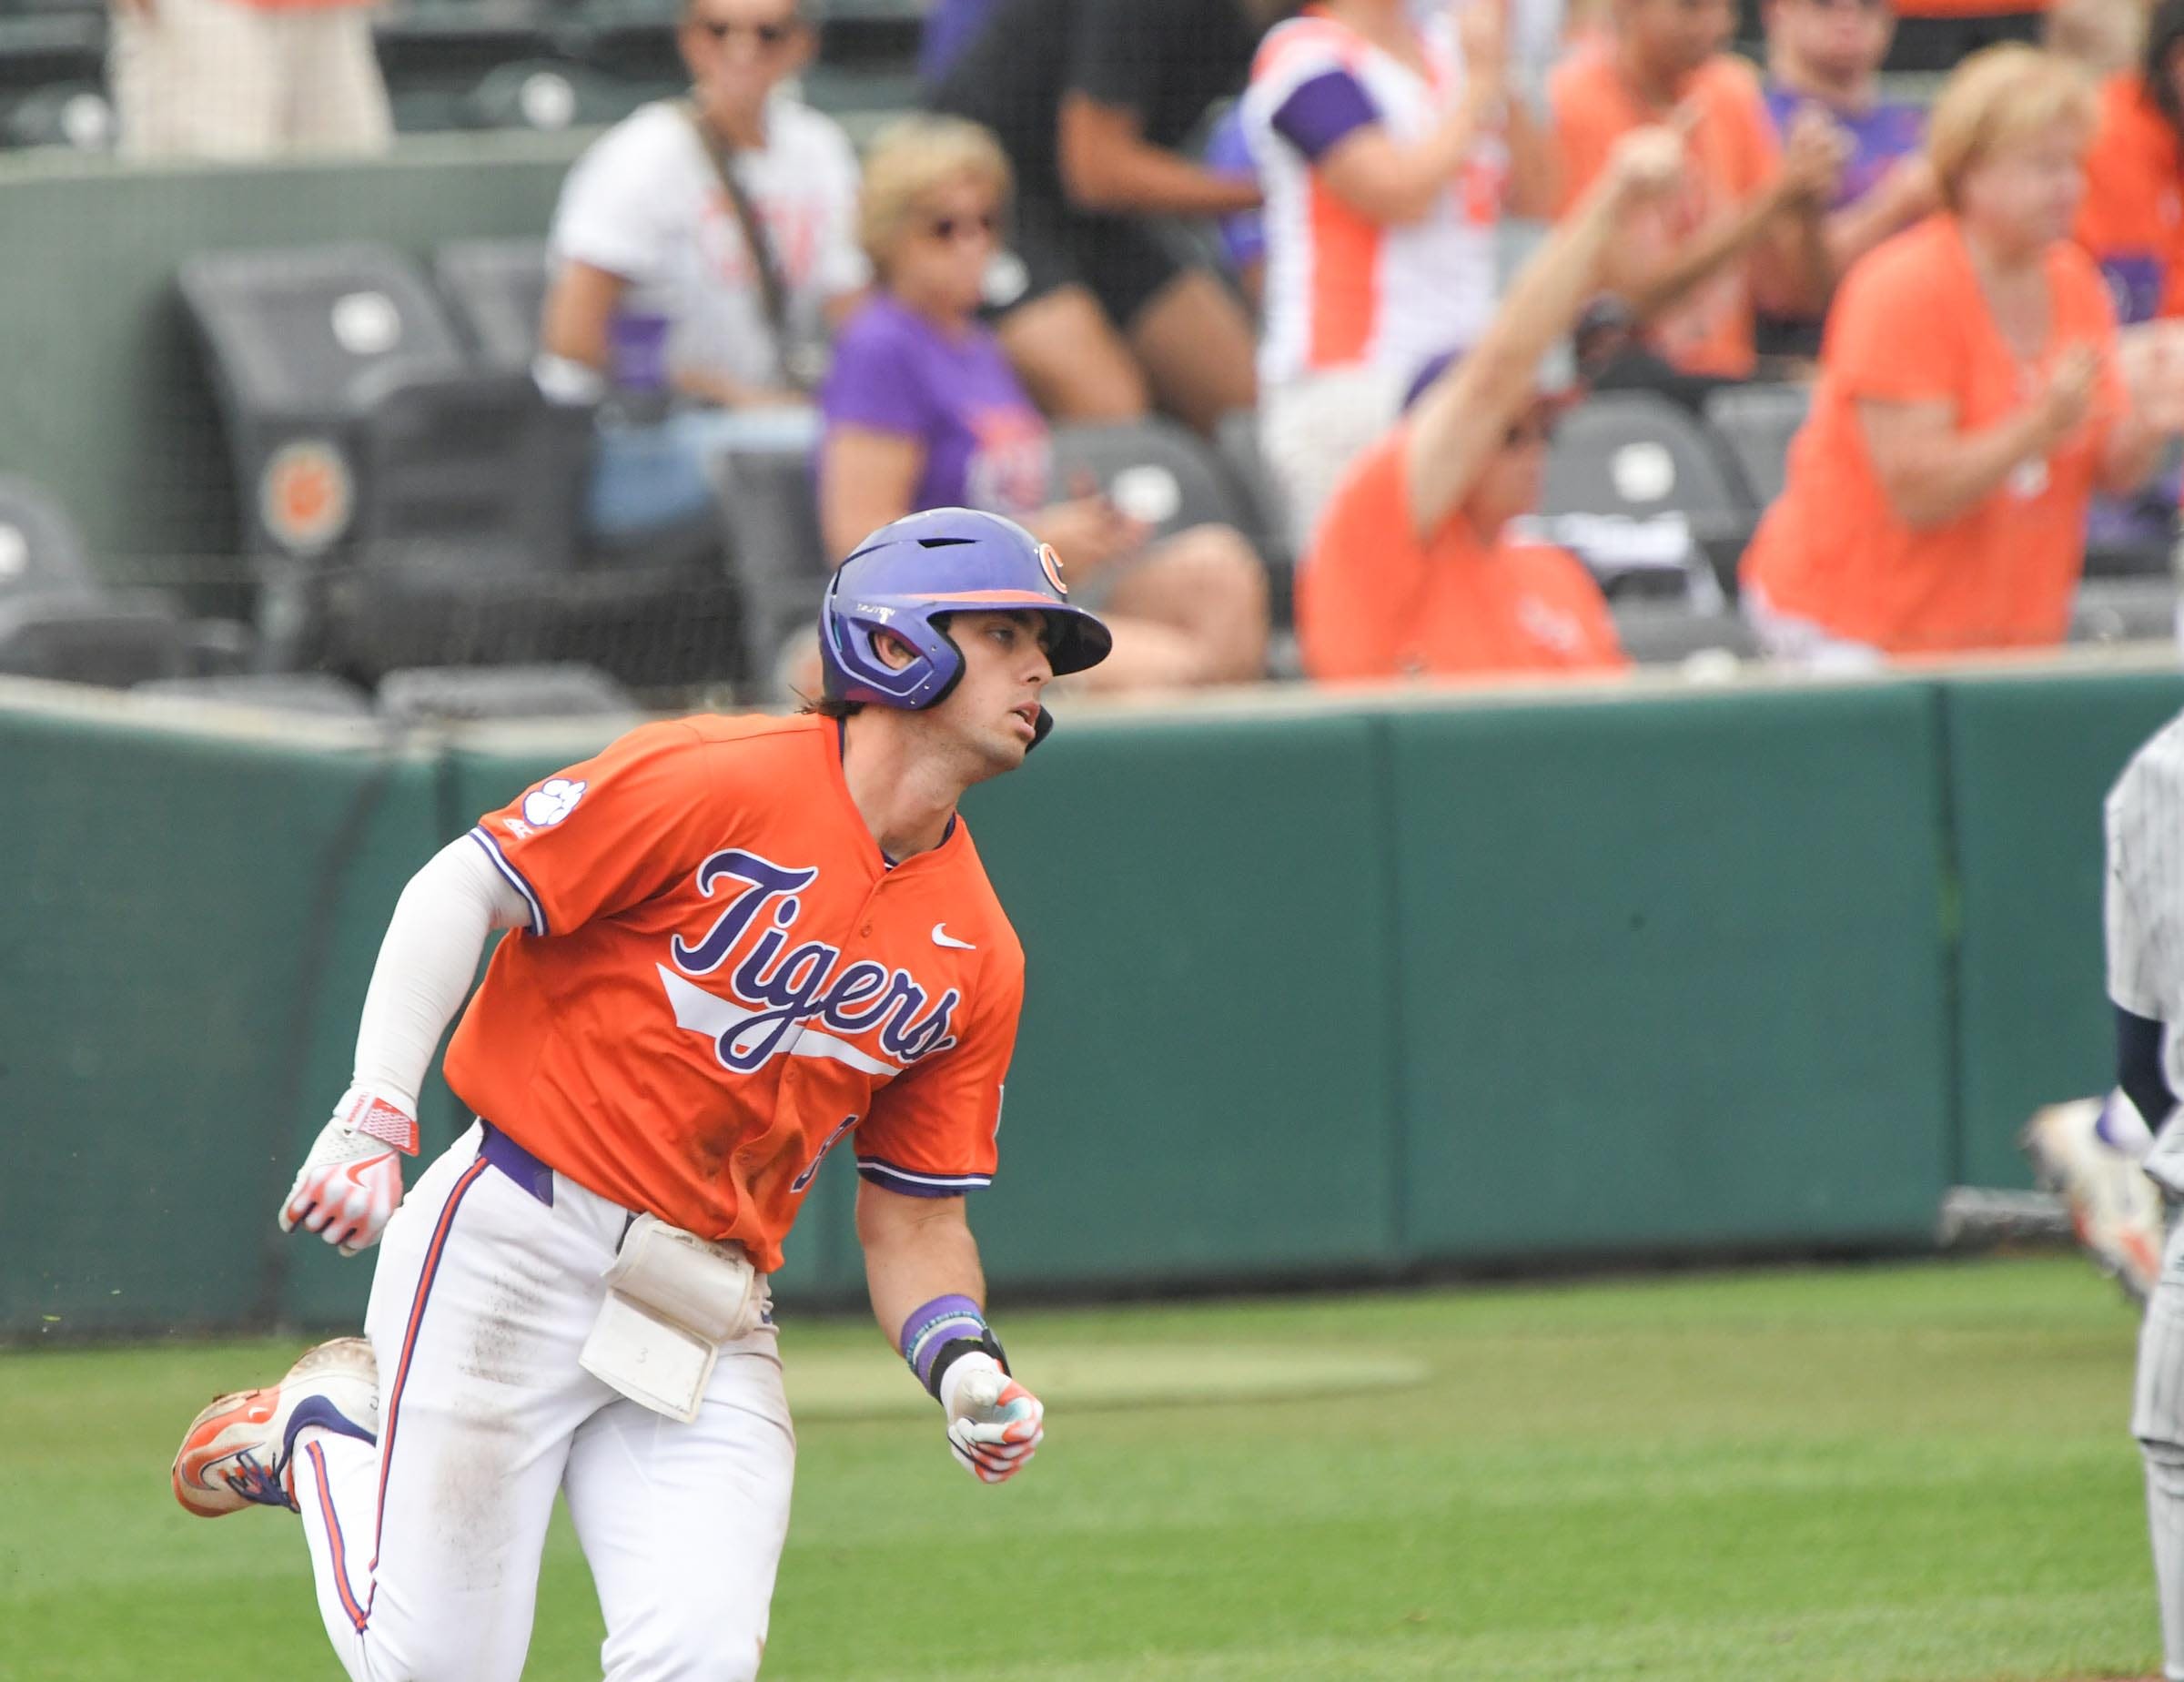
(1340, 290)
(646, 203)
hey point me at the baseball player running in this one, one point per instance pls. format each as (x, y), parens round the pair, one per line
(2145, 919)
(737, 942)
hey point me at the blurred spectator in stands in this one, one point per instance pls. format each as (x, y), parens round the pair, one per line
(948, 28)
(1242, 234)
(2132, 224)
(1827, 54)
(1412, 572)
(1969, 401)
(2132, 219)
(1388, 152)
(1748, 228)
(1933, 36)
(1104, 309)
(702, 251)
(2102, 36)
(247, 78)
(923, 411)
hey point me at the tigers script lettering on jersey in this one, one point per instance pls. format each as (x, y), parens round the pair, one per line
(723, 976)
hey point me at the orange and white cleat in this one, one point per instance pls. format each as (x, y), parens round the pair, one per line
(2115, 1209)
(238, 1450)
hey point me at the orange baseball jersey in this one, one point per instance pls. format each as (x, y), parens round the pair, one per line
(1373, 602)
(1911, 325)
(723, 976)
(1731, 156)
(2132, 219)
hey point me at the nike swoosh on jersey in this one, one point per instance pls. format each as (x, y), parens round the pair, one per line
(940, 937)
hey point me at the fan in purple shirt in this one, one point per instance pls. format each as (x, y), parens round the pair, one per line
(1881, 135)
(983, 444)
(1828, 52)
(922, 409)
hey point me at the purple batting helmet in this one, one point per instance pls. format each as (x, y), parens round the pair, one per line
(911, 575)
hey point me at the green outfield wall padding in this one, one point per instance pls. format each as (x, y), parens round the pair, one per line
(1349, 991)
(320, 1287)
(2031, 760)
(1671, 973)
(1202, 1085)
(107, 385)
(172, 899)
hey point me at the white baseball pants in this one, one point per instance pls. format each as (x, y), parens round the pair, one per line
(426, 1547)
(2158, 1422)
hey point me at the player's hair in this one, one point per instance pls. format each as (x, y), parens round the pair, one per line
(907, 160)
(2000, 97)
(2164, 35)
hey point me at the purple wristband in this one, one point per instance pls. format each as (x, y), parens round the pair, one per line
(934, 1326)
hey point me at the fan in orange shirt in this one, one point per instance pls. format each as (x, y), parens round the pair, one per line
(1411, 573)
(2132, 221)
(1747, 225)
(1968, 405)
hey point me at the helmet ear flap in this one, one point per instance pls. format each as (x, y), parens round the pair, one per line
(940, 625)
(1039, 731)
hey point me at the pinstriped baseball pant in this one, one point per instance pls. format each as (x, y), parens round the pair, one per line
(426, 1546)
(2158, 1422)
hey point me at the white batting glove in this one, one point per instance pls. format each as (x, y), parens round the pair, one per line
(349, 1186)
(995, 1424)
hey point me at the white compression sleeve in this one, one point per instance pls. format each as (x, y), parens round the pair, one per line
(426, 965)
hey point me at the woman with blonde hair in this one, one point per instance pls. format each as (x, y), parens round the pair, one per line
(923, 411)
(1969, 400)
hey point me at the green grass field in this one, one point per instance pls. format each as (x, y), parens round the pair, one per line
(1860, 1474)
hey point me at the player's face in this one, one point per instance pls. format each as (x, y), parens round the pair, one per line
(738, 50)
(994, 709)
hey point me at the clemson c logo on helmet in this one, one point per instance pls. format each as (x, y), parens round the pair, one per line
(1051, 564)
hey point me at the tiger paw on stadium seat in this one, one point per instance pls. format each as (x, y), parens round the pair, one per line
(238, 1450)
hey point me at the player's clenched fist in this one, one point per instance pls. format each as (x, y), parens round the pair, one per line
(349, 1186)
(995, 1424)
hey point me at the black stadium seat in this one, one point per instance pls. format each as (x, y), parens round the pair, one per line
(447, 694)
(1156, 471)
(316, 693)
(549, 96)
(2124, 609)
(290, 337)
(75, 114)
(45, 44)
(41, 551)
(776, 552)
(497, 289)
(417, 510)
(1670, 634)
(297, 343)
(59, 620)
(1637, 488)
(118, 638)
(1754, 424)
